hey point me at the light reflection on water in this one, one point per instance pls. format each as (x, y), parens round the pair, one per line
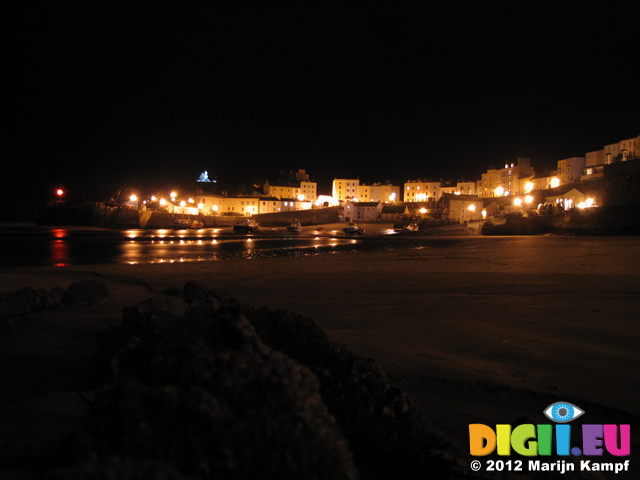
(59, 248)
(167, 248)
(77, 246)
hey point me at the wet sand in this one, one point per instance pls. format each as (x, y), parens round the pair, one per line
(476, 329)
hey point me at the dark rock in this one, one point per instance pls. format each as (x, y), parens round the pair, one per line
(44, 299)
(174, 292)
(196, 293)
(206, 395)
(89, 293)
(387, 434)
(19, 303)
(152, 315)
(205, 387)
(25, 301)
(57, 295)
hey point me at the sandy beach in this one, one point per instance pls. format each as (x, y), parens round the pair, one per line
(475, 329)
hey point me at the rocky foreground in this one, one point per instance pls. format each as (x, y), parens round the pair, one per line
(204, 387)
(197, 385)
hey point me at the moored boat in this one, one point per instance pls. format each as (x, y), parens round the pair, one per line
(247, 226)
(352, 228)
(185, 223)
(294, 227)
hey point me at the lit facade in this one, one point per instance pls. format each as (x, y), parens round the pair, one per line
(378, 192)
(621, 151)
(421, 191)
(221, 205)
(462, 208)
(365, 211)
(303, 190)
(569, 169)
(308, 191)
(210, 204)
(507, 180)
(594, 158)
(615, 152)
(269, 205)
(461, 188)
(630, 148)
(575, 198)
(364, 193)
(544, 182)
(241, 205)
(466, 188)
(344, 189)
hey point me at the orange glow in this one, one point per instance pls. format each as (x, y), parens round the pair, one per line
(59, 233)
(59, 248)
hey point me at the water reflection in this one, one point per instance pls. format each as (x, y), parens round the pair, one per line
(59, 248)
(77, 246)
(168, 247)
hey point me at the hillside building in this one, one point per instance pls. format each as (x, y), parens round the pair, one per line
(344, 189)
(507, 180)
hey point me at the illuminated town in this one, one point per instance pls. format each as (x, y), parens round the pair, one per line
(597, 179)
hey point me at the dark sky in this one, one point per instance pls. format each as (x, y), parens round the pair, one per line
(151, 96)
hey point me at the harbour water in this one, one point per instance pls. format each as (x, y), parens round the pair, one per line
(50, 246)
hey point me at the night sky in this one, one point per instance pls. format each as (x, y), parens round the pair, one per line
(103, 96)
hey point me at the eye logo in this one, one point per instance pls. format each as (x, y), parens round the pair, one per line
(562, 412)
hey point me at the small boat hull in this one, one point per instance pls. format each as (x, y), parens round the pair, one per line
(294, 227)
(352, 228)
(184, 224)
(248, 226)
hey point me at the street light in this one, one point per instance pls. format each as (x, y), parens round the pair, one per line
(59, 194)
(133, 200)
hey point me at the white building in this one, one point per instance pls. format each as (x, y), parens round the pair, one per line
(365, 211)
(507, 180)
(421, 191)
(569, 169)
(302, 189)
(379, 192)
(462, 208)
(344, 189)
(615, 152)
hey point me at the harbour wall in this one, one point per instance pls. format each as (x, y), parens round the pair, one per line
(104, 216)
